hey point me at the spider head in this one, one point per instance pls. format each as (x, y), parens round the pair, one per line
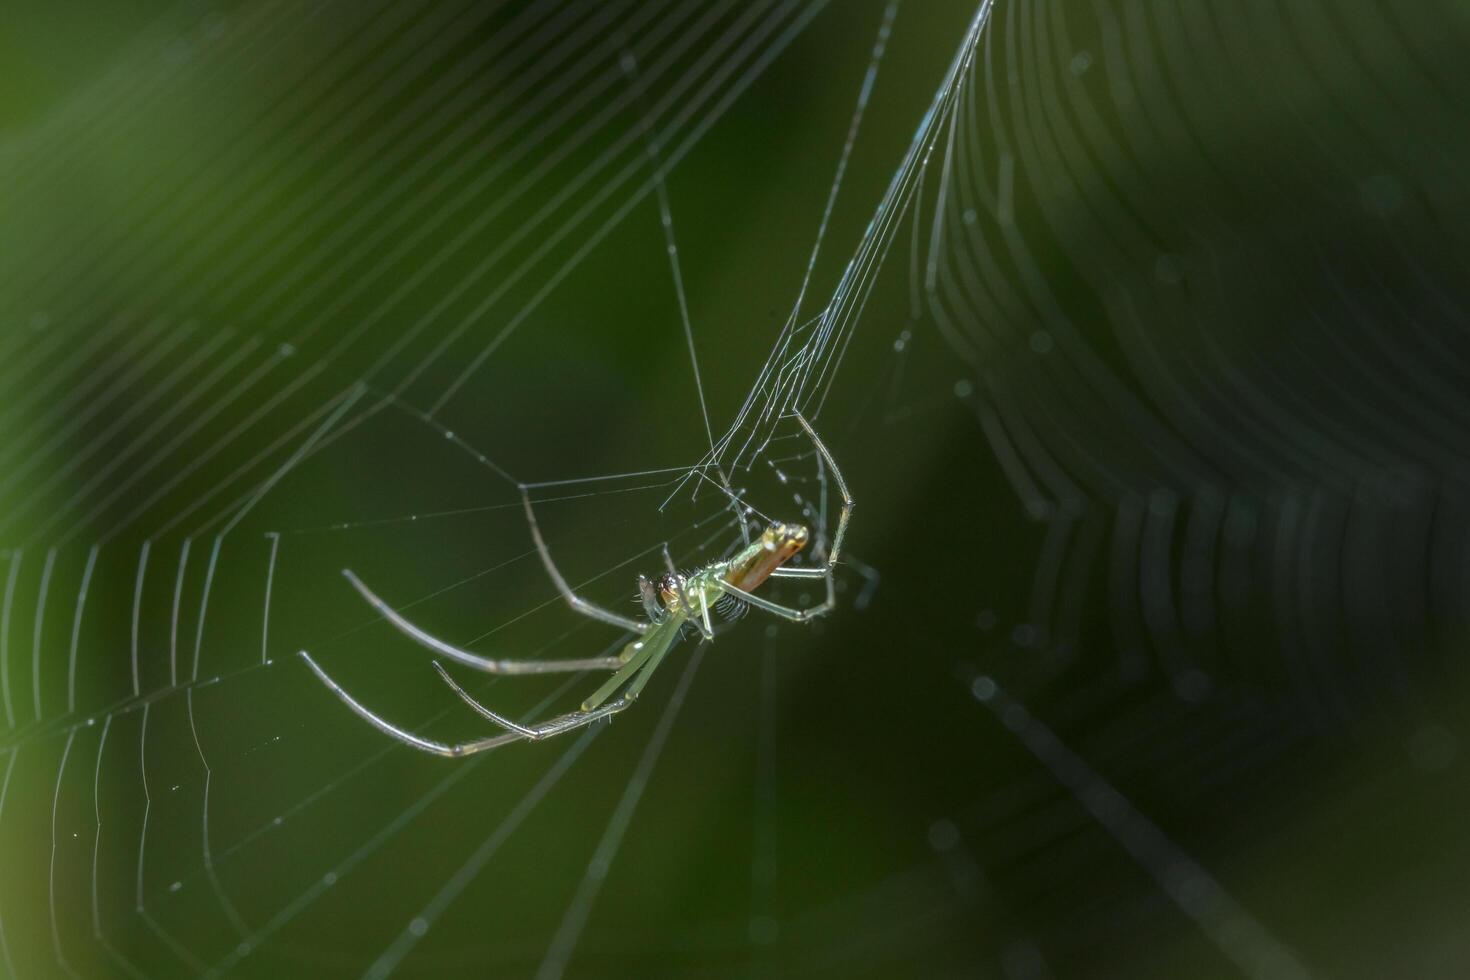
(670, 590)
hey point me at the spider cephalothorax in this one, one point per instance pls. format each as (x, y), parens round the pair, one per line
(671, 587)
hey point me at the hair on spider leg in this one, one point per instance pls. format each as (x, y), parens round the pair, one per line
(730, 609)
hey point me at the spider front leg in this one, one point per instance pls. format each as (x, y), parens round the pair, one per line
(455, 751)
(642, 658)
(545, 729)
(490, 666)
(575, 601)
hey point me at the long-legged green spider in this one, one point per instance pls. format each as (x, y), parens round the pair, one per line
(671, 603)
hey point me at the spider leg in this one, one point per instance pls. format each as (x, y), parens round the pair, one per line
(545, 729)
(480, 709)
(649, 654)
(706, 628)
(486, 664)
(703, 624)
(786, 572)
(847, 501)
(656, 658)
(579, 719)
(455, 751)
(871, 579)
(649, 650)
(575, 601)
(787, 612)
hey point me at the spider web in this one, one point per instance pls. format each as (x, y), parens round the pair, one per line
(1156, 445)
(335, 295)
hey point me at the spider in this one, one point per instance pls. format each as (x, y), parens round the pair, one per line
(671, 602)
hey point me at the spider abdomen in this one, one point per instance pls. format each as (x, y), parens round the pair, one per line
(776, 546)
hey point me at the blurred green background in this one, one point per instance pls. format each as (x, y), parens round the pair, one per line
(1153, 416)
